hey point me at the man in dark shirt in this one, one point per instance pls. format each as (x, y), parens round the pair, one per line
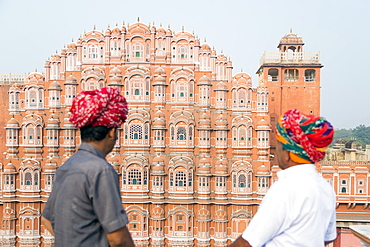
(84, 207)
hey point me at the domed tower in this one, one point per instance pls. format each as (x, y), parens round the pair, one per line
(292, 77)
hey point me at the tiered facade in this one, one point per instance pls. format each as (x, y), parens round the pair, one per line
(193, 157)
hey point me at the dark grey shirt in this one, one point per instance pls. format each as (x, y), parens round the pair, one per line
(85, 203)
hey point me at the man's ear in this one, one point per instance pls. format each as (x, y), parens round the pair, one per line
(112, 133)
(286, 156)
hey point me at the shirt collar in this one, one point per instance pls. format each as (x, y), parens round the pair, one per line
(303, 169)
(92, 149)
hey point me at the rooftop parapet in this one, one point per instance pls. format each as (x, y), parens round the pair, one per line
(344, 163)
(13, 78)
(303, 58)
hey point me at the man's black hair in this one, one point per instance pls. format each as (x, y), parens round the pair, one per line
(97, 133)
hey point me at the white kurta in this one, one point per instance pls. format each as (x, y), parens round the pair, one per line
(298, 210)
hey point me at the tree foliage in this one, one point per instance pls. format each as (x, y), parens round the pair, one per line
(361, 133)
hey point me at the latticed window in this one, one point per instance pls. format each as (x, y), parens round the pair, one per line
(28, 178)
(145, 176)
(146, 131)
(180, 179)
(36, 178)
(136, 131)
(242, 181)
(137, 50)
(124, 177)
(190, 133)
(242, 133)
(134, 177)
(190, 178)
(171, 178)
(181, 133)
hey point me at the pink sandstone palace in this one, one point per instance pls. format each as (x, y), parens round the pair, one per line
(196, 154)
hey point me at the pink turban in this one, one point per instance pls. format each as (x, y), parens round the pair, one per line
(101, 107)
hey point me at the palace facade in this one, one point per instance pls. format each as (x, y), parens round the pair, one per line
(193, 156)
(196, 154)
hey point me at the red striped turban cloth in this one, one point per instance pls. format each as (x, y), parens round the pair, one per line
(101, 107)
(306, 137)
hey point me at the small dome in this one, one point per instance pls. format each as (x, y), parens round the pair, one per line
(161, 31)
(291, 38)
(116, 30)
(205, 47)
(340, 141)
(221, 86)
(51, 166)
(12, 123)
(159, 114)
(169, 32)
(112, 159)
(115, 72)
(71, 80)
(263, 124)
(9, 167)
(160, 71)
(204, 169)
(72, 46)
(205, 120)
(204, 80)
(204, 161)
(157, 168)
(158, 159)
(54, 86)
(159, 122)
(108, 31)
(159, 80)
(263, 170)
(221, 121)
(53, 120)
(221, 169)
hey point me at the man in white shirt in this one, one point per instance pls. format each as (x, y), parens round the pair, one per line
(299, 209)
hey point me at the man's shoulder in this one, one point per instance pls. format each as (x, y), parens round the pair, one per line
(84, 160)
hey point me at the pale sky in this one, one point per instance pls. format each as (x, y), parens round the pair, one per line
(33, 30)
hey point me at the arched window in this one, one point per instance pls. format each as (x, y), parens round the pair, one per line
(136, 131)
(134, 177)
(28, 178)
(310, 75)
(242, 181)
(180, 179)
(181, 133)
(137, 50)
(273, 75)
(344, 190)
(93, 51)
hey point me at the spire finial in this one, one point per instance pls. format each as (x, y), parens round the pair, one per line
(183, 28)
(94, 27)
(291, 30)
(160, 25)
(138, 19)
(123, 23)
(205, 40)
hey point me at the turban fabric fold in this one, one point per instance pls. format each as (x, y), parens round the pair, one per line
(306, 137)
(101, 107)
